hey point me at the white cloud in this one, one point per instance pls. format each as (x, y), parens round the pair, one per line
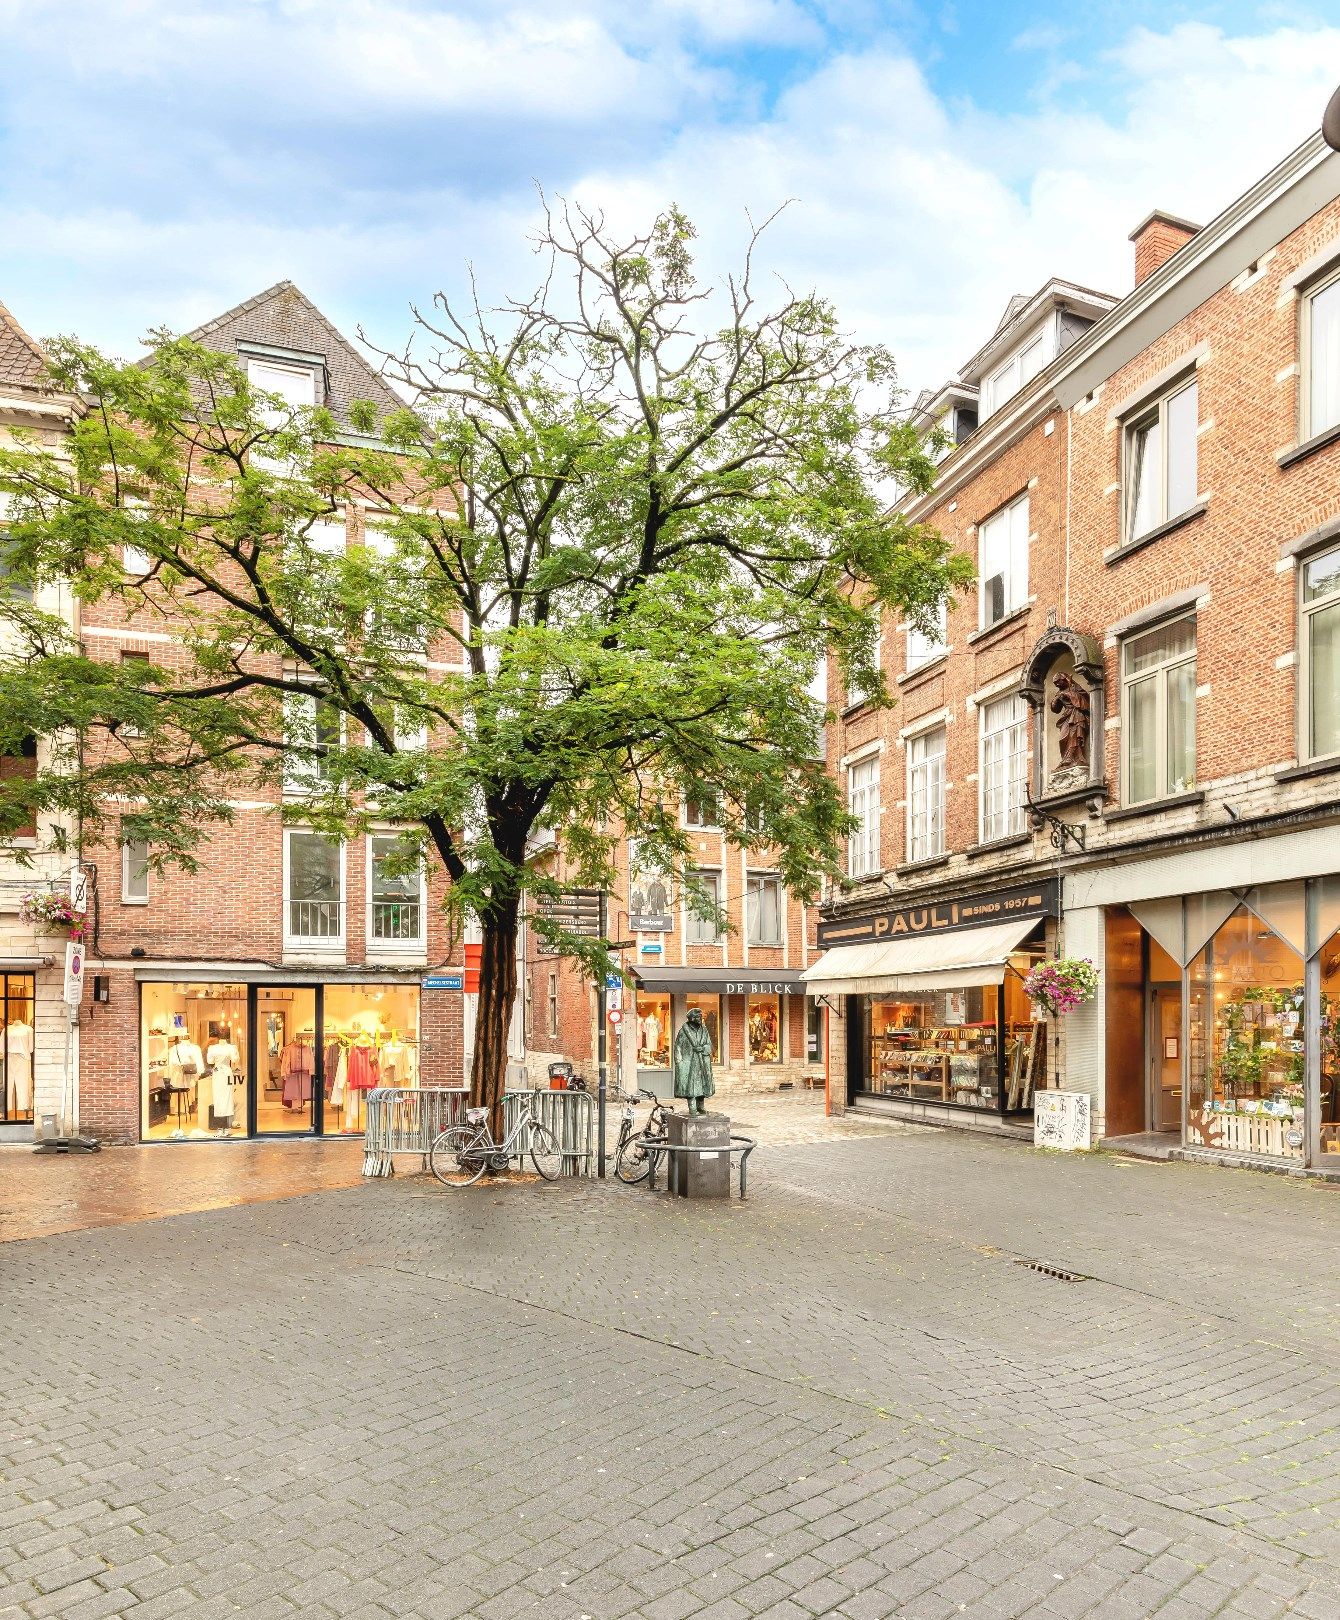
(163, 160)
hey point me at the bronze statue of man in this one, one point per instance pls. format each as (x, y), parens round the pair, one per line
(1071, 708)
(693, 1062)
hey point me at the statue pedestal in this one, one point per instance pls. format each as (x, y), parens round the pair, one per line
(703, 1174)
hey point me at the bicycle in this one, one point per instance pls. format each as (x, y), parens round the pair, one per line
(633, 1154)
(462, 1153)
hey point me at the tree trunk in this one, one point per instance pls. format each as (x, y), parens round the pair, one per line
(497, 993)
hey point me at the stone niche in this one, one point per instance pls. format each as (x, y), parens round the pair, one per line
(1063, 685)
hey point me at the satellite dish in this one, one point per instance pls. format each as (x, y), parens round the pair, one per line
(1330, 123)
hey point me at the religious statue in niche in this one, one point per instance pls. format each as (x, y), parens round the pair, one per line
(1069, 702)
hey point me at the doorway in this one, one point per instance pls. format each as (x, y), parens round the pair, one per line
(1165, 1058)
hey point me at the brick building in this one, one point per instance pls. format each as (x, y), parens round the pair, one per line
(262, 994)
(38, 1043)
(745, 980)
(1127, 745)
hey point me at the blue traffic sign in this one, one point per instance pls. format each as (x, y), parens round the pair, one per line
(445, 981)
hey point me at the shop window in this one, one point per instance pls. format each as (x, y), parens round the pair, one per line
(314, 884)
(926, 796)
(134, 871)
(1003, 767)
(396, 901)
(369, 1037)
(763, 1021)
(17, 1048)
(1160, 453)
(1159, 711)
(702, 809)
(313, 730)
(944, 1045)
(1319, 652)
(765, 908)
(1245, 1060)
(814, 1031)
(863, 804)
(22, 767)
(923, 649)
(704, 930)
(1329, 1051)
(1321, 352)
(710, 1008)
(1002, 552)
(653, 1031)
(195, 1039)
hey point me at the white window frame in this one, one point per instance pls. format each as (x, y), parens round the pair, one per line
(305, 776)
(320, 944)
(1003, 749)
(755, 883)
(1155, 411)
(1020, 369)
(128, 898)
(863, 854)
(712, 799)
(278, 370)
(1160, 673)
(385, 546)
(1010, 522)
(693, 923)
(1308, 428)
(922, 649)
(552, 1001)
(926, 776)
(401, 946)
(1307, 611)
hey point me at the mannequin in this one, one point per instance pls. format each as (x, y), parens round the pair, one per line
(19, 1066)
(186, 1065)
(222, 1061)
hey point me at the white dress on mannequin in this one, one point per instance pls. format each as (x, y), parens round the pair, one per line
(19, 1041)
(222, 1061)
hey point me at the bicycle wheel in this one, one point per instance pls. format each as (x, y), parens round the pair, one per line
(632, 1163)
(545, 1152)
(458, 1157)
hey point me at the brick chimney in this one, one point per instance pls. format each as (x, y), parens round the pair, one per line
(1157, 237)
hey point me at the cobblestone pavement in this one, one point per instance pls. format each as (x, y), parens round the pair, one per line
(843, 1397)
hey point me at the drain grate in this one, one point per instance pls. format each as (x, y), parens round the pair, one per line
(1046, 1269)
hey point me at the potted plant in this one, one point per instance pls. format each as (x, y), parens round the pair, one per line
(1060, 985)
(51, 909)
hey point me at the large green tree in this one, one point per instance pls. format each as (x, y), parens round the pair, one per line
(630, 517)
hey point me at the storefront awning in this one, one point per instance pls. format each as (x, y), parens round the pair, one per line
(724, 981)
(955, 959)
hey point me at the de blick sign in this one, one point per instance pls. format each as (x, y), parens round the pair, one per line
(972, 911)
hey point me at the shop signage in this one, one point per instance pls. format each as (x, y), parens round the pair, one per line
(760, 987)
(445, 981)
(74, 973)
(652, 950)
(971, 911)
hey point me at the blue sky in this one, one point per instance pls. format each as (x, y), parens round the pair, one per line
(162, 159)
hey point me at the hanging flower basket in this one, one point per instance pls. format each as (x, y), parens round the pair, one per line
(50, 908)
(1061, 985)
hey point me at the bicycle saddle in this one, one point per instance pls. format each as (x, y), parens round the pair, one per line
(476, 1116)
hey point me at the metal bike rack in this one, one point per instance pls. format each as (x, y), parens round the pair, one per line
(570, 1115)
(743, 1145)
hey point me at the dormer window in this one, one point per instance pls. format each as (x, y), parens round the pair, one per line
(295, 384)
(1022, 366)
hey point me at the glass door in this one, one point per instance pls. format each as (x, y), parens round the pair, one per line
(16, 1048)
(288, 1064)
(1165, 1058)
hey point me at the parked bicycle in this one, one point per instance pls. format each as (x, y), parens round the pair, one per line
(462, 1153)
(633, 1155)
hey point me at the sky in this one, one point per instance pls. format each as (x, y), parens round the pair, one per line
(160, 160)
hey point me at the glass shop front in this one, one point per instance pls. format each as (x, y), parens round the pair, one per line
(247, 1060)
(934, 1008)
(1243, 1033)
(747, 1018)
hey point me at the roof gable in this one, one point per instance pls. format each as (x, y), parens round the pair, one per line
(21, 360)
(284, 318)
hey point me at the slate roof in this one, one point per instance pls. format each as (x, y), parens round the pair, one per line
(21, 361)
(285, 318)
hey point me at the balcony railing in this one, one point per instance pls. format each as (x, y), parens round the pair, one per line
(397, 921)
(314, 919)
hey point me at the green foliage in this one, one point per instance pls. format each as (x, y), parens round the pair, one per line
(630, 518)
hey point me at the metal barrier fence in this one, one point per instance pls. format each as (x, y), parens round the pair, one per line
(403, 1120)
